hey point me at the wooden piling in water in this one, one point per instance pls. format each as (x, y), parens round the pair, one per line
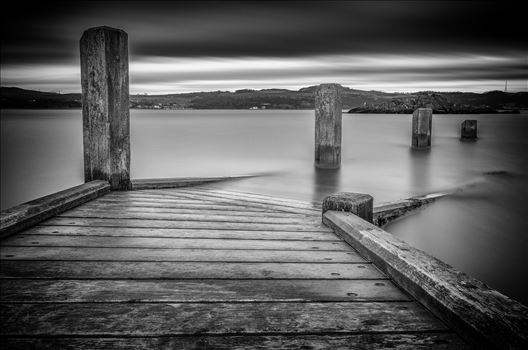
(105, 106)
(468, 130)
(421, 128)
(328, 126)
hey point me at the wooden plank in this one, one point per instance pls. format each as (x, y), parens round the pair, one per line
(217, 318)
(123, 291)
(185, 270)
(271, 199)
(121, 214)
(179, 233)
(219, 225)
(125, 195)
(250, 198)
(306, 207)
(114, 199)
(238, 201)
(149, 254)
(141, 184)
(117, 200)
(30, 213)
(27, 240)
(203, 211)
(482, 314)
(188, 205)
(381, 341)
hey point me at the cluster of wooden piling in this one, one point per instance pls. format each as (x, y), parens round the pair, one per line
(328, 123)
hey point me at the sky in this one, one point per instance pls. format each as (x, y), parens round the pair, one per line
(175, 47)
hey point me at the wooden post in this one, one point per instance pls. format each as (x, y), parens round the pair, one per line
(328, 126)
(421, 128)
(105, 106)
(468, 130)
(356, 203)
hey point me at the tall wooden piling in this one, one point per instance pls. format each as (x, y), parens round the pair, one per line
(468, 130)
(105, 106)
(328, 126)
(421, 128)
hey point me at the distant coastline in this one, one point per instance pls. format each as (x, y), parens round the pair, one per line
(356, 101)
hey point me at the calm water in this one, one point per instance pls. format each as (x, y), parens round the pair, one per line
(480, 229)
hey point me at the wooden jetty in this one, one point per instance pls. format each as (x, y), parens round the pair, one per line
(199, 268)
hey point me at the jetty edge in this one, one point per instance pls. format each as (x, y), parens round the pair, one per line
(385, 213)
(481, 315)
(28, 214)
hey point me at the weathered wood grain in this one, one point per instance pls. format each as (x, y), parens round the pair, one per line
(482, 314)
(105, 106)
(257, 197)
(388, 212)
(28, 214)
(122, 214)
(112, 199)
(180, 233)
(201, 211)
(239, 201)
(359, 204)
(122, 291)
(219, 225)
(208, 195)
(422, 122)
(173, 243)
(141, 184)
(183, 205)
(328, 105)
(218, 318)
(381, 341)
(149, 254)
(195, 199)
(185, 270)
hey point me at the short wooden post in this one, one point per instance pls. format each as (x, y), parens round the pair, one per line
(421, 128)
(356, 203)
(105, 106)
(468, 130)
(328, 126)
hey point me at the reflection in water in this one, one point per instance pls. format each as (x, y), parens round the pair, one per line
(326, 181)
(419, 169)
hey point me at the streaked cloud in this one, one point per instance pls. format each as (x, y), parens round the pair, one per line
(195, 46)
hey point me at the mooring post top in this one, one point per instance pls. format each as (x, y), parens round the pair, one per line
(102, 29)
(347, 201)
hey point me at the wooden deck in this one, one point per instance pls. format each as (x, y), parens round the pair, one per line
(197, 268)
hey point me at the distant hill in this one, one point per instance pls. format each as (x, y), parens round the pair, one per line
(448, 103)
(358, 101)
(12, 97)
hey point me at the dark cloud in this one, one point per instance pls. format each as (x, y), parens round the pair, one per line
(49, 32)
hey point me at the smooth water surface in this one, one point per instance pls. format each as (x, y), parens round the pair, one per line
(480, 229)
